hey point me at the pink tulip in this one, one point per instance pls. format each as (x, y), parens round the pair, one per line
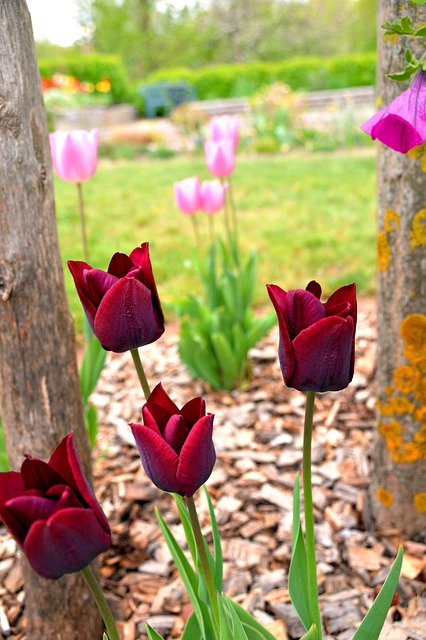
(187, 195)
(225, 128)
(220, 157)
(212, 195)
(74, 154)
(402, 124)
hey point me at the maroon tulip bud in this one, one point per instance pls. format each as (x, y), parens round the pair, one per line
(317, 341)
(175, 445)
(51, 511)
(122, 304)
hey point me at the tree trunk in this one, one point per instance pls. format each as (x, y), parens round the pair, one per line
(398, 485)
(39, 392)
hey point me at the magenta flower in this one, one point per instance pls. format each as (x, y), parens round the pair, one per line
(212, 195)
(402, 124)
(225, 128)
(220, 157)
(187, 195)
(317, 341)
(121, 304)
(74, 154)
(51, 511)
(175, 445)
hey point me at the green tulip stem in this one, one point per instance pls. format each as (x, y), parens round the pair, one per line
(196, 231)
(82, 221)
(226, 217)
(141, 373)
(233, 209)
(199, 541)
(211, 226)
(102, 604)
(309, 512)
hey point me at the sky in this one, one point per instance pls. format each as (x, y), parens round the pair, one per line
(54, 20)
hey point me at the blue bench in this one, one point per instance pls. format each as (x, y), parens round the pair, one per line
(164, 96)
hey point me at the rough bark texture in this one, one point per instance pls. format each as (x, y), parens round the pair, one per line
(399, 488)
(39, 390)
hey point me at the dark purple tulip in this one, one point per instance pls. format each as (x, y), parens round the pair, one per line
(122, 304)
(51, 511)
(317, 341)
(175, 445)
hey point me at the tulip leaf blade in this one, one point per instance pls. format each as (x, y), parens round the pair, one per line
(225, 358)
(370, 627)
(188, 576)
(225, 628)
(298, 572)
(91, 422)
(312, 634)
(152, 633)
(186, 523)
(253, 629)
(217, 546)
(192, 628)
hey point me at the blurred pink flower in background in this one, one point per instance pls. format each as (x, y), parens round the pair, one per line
(74, 154)
(212, 195)
(402, 124)
(225, 128)
(187, 195)
(220, 157)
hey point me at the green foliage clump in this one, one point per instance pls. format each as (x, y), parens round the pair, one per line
(91, 68)
(308, 73)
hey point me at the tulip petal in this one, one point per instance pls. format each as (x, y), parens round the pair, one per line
(65, 459)
(315, 288)
(98, 283)
(158, 458)
(197, 457)
(342, 296)
(303, 309)
(24, 510)
(323, 356)
(285, 352)
(161, 399)
(126, 318)
(66, 543)
(11, 485)
(120, 265)
(78, 269)
(175, 432)
(193, 410)
(37, 474)
(140, 257)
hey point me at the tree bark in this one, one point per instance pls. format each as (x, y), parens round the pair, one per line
(398, 483)
(39, 391)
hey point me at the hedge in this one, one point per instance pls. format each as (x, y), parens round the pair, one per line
(303, 73)
(91, 68)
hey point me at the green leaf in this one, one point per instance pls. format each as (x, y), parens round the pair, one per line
(186, 523)
(91, 366)
(192, 628)
(225, 359)
(105, 637)
(373, 622)
(218, 558)
(91, 422)
(253, 629)
(421, 31)
(188, 576)
(409, 70)
(4, 457)
(409, 55)
(226, 632)
(419, 1)
(312, 634)
(298, 573)
(152, 634)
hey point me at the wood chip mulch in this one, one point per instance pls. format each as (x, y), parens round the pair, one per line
(258, 438)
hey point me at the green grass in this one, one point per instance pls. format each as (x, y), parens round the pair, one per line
(310, 217)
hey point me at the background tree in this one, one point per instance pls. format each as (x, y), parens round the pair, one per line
(399, 487)
(151, 35)
(39, 393)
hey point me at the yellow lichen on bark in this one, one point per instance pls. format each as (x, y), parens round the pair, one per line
(418, 230)
(383, 251)
(419, 501)
(413, 331)
(385, 497)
